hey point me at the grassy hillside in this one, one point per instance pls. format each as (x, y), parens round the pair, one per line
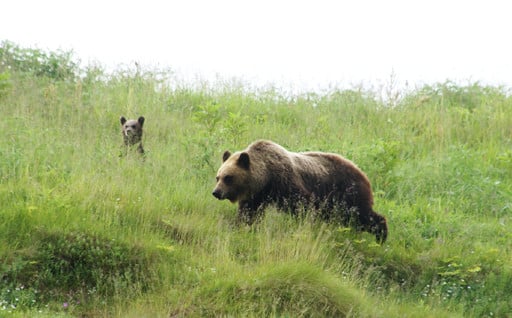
(85, 233)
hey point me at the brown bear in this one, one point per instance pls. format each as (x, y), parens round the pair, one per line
(266, 173)
(132, 133)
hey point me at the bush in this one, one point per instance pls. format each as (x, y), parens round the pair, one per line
(57, 65)
(75, 263)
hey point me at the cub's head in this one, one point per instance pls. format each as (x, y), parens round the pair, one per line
(132, 130)
(233, 177)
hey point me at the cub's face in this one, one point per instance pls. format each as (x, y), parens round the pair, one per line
(132, 130)
(233, 177)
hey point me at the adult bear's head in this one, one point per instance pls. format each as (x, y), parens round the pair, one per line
(233, 177)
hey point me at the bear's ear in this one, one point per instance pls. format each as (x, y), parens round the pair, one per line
(141, 121)
(122, 120)
(243, 160)
(226, 155)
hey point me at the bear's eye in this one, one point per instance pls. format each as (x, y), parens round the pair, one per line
(228, 179)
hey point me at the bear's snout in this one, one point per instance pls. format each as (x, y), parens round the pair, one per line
(217, 193)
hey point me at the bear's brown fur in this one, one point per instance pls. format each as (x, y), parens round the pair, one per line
(132, 133)
(266, 173)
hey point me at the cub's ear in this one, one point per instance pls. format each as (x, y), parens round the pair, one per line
(122, 120)
(141, 121)
(243, 160)
(226, 155)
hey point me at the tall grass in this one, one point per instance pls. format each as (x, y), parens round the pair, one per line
(84, 232)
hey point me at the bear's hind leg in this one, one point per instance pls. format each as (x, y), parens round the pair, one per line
(376, 224)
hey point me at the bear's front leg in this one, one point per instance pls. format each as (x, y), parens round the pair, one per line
(248, 212)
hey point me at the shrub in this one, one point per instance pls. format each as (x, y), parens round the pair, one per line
(57, 65)
(77, 263)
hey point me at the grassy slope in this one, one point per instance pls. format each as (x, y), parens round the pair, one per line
(121, 237)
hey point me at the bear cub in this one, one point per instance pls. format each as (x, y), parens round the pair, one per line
(266, 173)
(132, 133)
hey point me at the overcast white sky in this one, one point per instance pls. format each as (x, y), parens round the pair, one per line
(304, 43)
